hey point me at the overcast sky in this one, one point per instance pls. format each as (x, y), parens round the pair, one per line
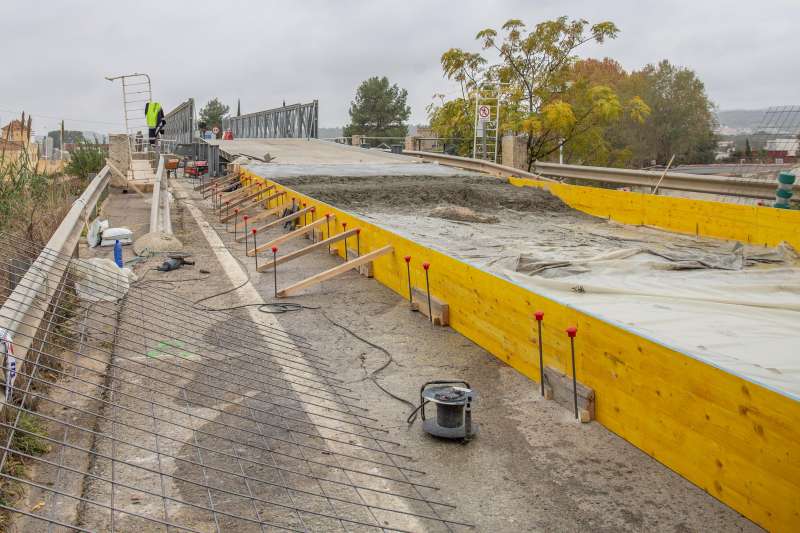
(56, 54)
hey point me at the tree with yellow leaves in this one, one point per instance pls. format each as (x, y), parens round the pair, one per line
(543, 97)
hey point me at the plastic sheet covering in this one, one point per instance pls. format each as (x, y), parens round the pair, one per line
(734, 306)
(100, 280)
(745, 320)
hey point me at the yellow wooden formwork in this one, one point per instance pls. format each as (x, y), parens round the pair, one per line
(737, 440)
(745, 223)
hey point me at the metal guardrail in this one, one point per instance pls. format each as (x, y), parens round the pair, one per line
(678, 181)
(24, 309)
(298, 121)
(180, 123)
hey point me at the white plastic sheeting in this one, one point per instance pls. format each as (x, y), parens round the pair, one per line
(735, 307)
(101, 280)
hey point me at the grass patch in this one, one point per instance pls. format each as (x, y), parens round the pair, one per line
(30, 440)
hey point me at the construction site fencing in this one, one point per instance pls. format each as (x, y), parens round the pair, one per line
(651, 180)
(297, 121)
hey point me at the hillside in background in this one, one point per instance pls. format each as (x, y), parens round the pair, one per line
(740, 119)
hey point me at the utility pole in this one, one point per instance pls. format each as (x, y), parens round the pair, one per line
(61, 152)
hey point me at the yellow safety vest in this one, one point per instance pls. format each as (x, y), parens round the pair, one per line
(152, 114)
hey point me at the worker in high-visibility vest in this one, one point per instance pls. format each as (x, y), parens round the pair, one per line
(155, 120)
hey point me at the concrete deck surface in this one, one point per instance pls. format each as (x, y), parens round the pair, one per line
(308, 151)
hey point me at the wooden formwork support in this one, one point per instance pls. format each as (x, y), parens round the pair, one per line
(558, 387)
(308, 249)
(283, 220)
(308, 228)
(335, 271)
(211, 183)
(238, 193)
(251, 200)
(439, 309)
(261, 215)
(225, 180)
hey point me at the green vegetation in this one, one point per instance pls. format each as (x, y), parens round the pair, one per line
(28, 439)
(32, 204)
(86, 159)
(593, 110)
(212, 113)
(379, 110)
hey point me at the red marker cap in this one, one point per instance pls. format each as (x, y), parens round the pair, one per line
(274, 249)
(245, 217)
(572, 331)
(344, 224)
(327, 215)
(254, 231)
(407, 258)
(358, 231)
(426, 266)
(304, 204)
(313, 209)
(539, 315)
(236, 210)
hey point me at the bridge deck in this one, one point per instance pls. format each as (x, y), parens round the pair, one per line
(308, 151)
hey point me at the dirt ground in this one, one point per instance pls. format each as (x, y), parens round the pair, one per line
(415, 194)
(532, 468)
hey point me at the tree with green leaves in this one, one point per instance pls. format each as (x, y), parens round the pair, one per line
(213, 112)
(535, 77)
(681, 122)
(748, 152)
(379, 110)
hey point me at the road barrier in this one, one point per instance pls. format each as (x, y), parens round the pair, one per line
(679, 181)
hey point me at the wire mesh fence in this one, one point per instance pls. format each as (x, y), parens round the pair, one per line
(136, 409)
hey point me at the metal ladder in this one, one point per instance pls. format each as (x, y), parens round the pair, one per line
(487, 118)
(136, 92)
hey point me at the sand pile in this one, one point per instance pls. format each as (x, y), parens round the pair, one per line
(462, 214)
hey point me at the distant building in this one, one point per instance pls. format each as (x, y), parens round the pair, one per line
(783, 150)
(724, 150)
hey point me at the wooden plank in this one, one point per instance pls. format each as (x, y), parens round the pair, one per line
(235, 195)
(439, 308)
(335, 271)
(261, 215)
(209, 184)
(252, 200)
(288, 236)
(258, 201)
(223, 186)
(308, 249)
(287, 218)
(558, 387)
(227, 180)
